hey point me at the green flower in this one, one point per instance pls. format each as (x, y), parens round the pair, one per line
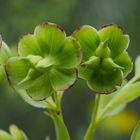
(47, 62)
(4, 55)
(105, 61)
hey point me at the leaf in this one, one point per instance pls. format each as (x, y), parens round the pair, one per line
(136, 132)
(137, 67)
(123, 96)
(104, 100)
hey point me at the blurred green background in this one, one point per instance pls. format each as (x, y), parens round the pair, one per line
(19, 17)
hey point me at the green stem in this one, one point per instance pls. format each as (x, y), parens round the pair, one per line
(57, 117)
(93, 124)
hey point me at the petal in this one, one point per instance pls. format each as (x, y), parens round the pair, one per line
(16, 69)
(71, 54)
(28, 46)
(62, 79)
(117, 41)
(41, 88)
(88, 39)
(50, 38)
(124, 61)
(103, 81)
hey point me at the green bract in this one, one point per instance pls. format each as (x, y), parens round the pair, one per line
(105, 61)
(4, 55)
(47, 62)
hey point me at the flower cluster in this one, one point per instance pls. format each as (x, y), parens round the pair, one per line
(48, 60)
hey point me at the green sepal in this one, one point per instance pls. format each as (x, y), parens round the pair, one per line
(41, 88)
(29, 79)
(70, 56)
(28, 45)
(88, 39)
(50, 38)
(84, 72)
(38, 104)
(124, 61)
(62, 79)
(104, 81)
(17, 69)
(117, 41)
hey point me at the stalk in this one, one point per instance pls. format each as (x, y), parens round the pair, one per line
(93, 124)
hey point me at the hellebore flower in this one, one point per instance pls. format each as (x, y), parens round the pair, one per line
(47, 62)
(4, 55)
(105, 61)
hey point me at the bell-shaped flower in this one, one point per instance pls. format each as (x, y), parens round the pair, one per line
(5, 53)
(105, 61)
(47, 62)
